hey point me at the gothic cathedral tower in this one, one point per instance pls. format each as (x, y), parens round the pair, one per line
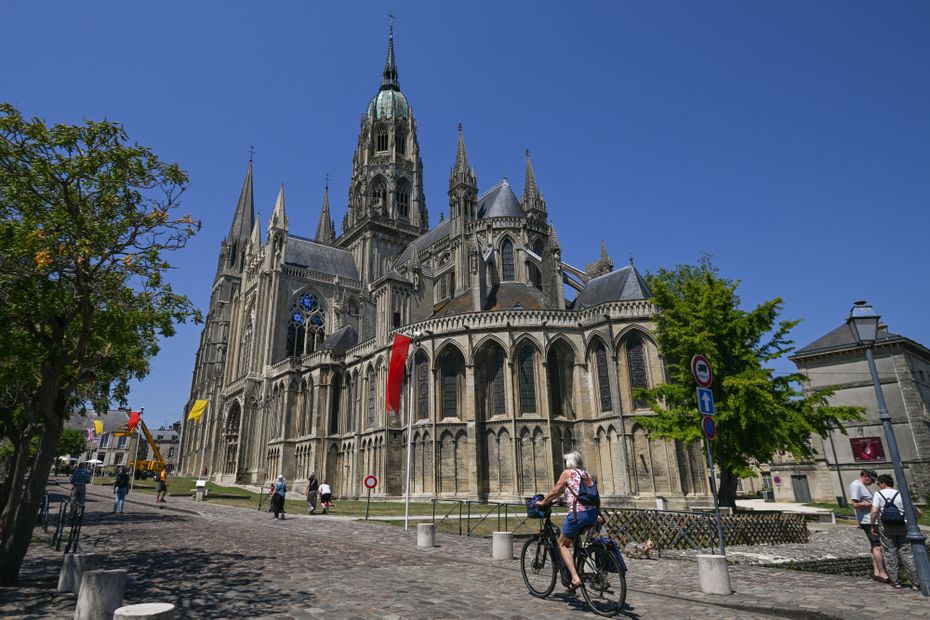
(387, 209)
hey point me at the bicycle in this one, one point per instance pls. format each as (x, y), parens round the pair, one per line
(603, 577)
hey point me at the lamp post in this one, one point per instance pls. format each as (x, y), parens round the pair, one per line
(863, 322)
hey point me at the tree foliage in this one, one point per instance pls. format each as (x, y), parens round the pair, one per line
(759, 413)
(73, 442)
(86, 219)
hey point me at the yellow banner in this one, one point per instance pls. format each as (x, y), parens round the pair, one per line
(98, 427)
(197, 410)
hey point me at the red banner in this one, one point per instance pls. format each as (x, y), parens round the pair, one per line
(867, 448)
(133, 420)
(396, 372)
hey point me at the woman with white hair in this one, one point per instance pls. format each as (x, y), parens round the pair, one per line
(277, 500)
(580, 516)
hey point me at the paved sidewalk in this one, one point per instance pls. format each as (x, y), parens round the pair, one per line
(217, 561)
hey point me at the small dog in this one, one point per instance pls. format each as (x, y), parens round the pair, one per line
(642, 551)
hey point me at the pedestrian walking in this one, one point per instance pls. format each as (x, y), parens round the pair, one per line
(861, 498)
(326, 496)
(890, 525)
(79, 480)
(313, 489)
(161, 486)
(277, 499)
(120, 490)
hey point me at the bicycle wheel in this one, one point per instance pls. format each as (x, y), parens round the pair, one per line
(537, 566)
(604, 584)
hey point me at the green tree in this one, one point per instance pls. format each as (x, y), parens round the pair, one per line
(73, 443)
(86, 218)
(759, 413)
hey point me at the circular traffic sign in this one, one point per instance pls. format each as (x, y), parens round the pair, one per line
(370, 482)
(700, 369)
(709, 427)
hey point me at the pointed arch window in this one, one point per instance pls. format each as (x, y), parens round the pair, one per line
(497, 382)
(378, 193)
(422, 388)
(335, 402)
(451, 369)
(526, 378)
(636, 357)
(401, 143)
(603, 379)
(306, 325)
(507, 270)
(382, 139)
(371, 398)
(403, 200)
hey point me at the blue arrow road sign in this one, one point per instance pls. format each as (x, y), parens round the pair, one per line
(705, 401)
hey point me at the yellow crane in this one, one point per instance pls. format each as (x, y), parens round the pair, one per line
(158, 463)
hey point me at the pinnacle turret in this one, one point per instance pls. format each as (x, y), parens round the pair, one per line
(461, 173)
(389, 75)
(278, 215)
(532, 200)
(325, 230)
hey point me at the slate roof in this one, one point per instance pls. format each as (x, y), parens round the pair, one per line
(499, 201)
(620, 285)
(342, 339)
(323, 258)
(840, 338)
(424, 241)
(502, 297)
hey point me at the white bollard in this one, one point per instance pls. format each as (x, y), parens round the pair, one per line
(502, 545)
(145, 611)
(73, 566)
(426, 535)
(713, 574)
(101, 594)
(661, 503)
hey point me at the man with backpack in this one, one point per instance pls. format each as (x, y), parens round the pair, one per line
(861, 498)
(888, 523)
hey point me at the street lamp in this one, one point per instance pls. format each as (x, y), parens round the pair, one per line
(863, 322)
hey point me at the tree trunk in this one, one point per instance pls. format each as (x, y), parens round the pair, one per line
(726, 491)
(19, 515)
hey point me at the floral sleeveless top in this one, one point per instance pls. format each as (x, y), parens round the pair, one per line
(571, 491)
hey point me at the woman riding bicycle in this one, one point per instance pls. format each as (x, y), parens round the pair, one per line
(579, 516)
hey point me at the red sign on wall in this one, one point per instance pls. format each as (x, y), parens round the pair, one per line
(867, 448)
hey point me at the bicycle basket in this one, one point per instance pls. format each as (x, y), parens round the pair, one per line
(532, 510)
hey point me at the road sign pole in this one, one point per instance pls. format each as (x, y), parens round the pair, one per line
(367, 504)
(713, 488)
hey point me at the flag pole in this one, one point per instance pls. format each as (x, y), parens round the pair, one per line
(203, 452)
(411, 377)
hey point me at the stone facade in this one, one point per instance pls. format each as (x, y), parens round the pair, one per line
(904, 373)
(507, 376)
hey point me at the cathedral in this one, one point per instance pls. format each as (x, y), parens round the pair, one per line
(508, 374)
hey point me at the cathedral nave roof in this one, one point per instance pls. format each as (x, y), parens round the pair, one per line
(318, 257)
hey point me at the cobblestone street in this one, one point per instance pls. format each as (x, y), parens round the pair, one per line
(221, 562)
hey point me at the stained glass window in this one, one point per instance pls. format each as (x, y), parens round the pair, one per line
(603, 379)
(422, 388)
(507, 260)
(371, 398)
(636, 355)
(450, 387)
(497, 382)
(305, 326)
(526, 379)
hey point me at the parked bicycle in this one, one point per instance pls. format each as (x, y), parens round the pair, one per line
(598, 560)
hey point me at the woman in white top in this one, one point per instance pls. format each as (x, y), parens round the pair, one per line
(579, 516)
(895, 547)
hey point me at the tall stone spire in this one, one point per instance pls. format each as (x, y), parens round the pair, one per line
(325, 230)
(533, 202)
(389, 75)
(244, 218)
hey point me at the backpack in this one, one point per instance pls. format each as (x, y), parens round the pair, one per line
(587, 495)
(891, 514)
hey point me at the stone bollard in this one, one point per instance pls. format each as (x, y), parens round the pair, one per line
(145, 611)
(713, 574)
(426, 535)
(73, 566)
(502, 545)
(101, 594)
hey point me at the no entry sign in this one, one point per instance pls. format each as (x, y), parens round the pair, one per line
(700, 368)
(370, 482)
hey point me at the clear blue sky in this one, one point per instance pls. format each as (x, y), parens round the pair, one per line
(790, 140)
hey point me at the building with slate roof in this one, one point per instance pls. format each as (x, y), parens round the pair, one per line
(836, 360)
(294, 352)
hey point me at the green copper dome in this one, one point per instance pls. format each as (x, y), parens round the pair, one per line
(388, 104)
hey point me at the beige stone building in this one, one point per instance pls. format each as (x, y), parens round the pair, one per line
(508, 376)
(904, 372)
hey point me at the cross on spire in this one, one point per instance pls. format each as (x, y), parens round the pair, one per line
(251, 152)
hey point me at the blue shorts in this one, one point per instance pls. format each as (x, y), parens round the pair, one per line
(576, 521)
